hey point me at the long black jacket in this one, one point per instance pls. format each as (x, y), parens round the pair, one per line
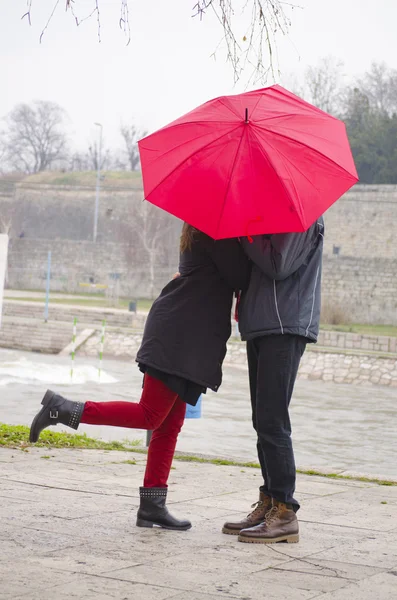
(190, 322)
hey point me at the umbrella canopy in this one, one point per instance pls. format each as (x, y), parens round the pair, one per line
(261, 162)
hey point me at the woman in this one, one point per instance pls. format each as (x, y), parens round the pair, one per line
(183, 347)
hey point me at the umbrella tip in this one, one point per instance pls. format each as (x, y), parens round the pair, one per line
(246, 115)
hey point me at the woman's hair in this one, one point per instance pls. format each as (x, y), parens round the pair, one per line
(187, 237)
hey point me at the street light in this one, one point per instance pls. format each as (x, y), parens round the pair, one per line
(98, 182)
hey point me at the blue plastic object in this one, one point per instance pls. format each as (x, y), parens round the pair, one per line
(194, 412)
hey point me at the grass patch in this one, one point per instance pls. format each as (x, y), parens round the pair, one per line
(385, 482)
(97, 301)
(131, 179)
(17, 436)
(363, 329)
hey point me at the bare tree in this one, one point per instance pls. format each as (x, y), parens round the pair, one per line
(255, 47)
(93, 157)
(131, 135)
(88, 160)
(323, 85)
(379, 85)
(35, 139)
(149, 235)
(151, 224)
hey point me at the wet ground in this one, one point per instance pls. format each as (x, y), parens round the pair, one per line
(334, 426)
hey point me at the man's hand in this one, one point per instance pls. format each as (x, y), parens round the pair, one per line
(176, 276)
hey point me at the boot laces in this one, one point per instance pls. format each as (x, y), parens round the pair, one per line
(272, 514)
(258, 508)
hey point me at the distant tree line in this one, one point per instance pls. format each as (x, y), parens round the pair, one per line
(368, 106)
(34, 136)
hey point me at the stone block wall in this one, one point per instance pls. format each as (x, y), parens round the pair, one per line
(360, 290)
(360, 262)
(363, 223)
(67, 314)
(75, 263)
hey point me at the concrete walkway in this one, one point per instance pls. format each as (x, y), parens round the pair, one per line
(67, 530)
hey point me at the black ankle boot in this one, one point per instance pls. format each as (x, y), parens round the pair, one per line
(56, 409)
(153, 511)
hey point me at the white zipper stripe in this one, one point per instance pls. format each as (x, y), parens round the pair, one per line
(275, 300)
(314, 297)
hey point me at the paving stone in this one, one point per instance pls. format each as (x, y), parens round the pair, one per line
(382, 586)
(99, 588)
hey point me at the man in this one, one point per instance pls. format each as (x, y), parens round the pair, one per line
(279, 314)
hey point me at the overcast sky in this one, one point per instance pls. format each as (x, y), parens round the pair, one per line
(167, 68)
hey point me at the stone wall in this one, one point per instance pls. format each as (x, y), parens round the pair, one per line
(53, 212)
(74, 263)
(360, 262)
(363, 223)
(356, 341)
(67, 314)
(359, 290)
(31, 336)
(347, 358)
(325, 366)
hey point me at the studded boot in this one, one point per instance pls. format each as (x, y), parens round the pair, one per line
(56, 409)
(255, 517)
(153, 511)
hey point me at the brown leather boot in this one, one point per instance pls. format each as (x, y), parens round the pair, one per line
(261, 507)
(280, 525)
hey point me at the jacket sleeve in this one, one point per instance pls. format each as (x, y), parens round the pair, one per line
(279, 255)
(232, 263)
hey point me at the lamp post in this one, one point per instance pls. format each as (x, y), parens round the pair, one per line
(98, 182)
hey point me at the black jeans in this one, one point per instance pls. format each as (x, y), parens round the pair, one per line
(273, 363)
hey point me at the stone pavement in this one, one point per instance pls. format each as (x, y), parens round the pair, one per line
(67, 530)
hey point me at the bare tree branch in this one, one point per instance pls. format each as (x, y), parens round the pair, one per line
(255, 48)
(27, 14)
(125, 20)
(131, 135)
(49, 19)
(71, 5)
(267, 19)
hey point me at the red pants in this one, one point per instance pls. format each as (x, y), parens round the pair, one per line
(159, 410)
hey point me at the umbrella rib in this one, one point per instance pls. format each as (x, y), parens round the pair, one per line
(198, 137)
(230, 179)
(286, 163)
(275, 171)
(287, 137)
(190, 156)
(221, 100)
(255, 107)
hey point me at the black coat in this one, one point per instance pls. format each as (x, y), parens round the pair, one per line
(284, 295)
(190, 322)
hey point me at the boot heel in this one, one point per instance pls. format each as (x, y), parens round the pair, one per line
(48, 396)
(143, 523)
(293, 539)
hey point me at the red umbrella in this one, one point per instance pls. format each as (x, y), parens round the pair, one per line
(260, 162)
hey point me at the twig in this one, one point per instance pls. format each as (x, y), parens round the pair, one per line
(267, 19)
(27, 14)
(125, 20)
(49, 20)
